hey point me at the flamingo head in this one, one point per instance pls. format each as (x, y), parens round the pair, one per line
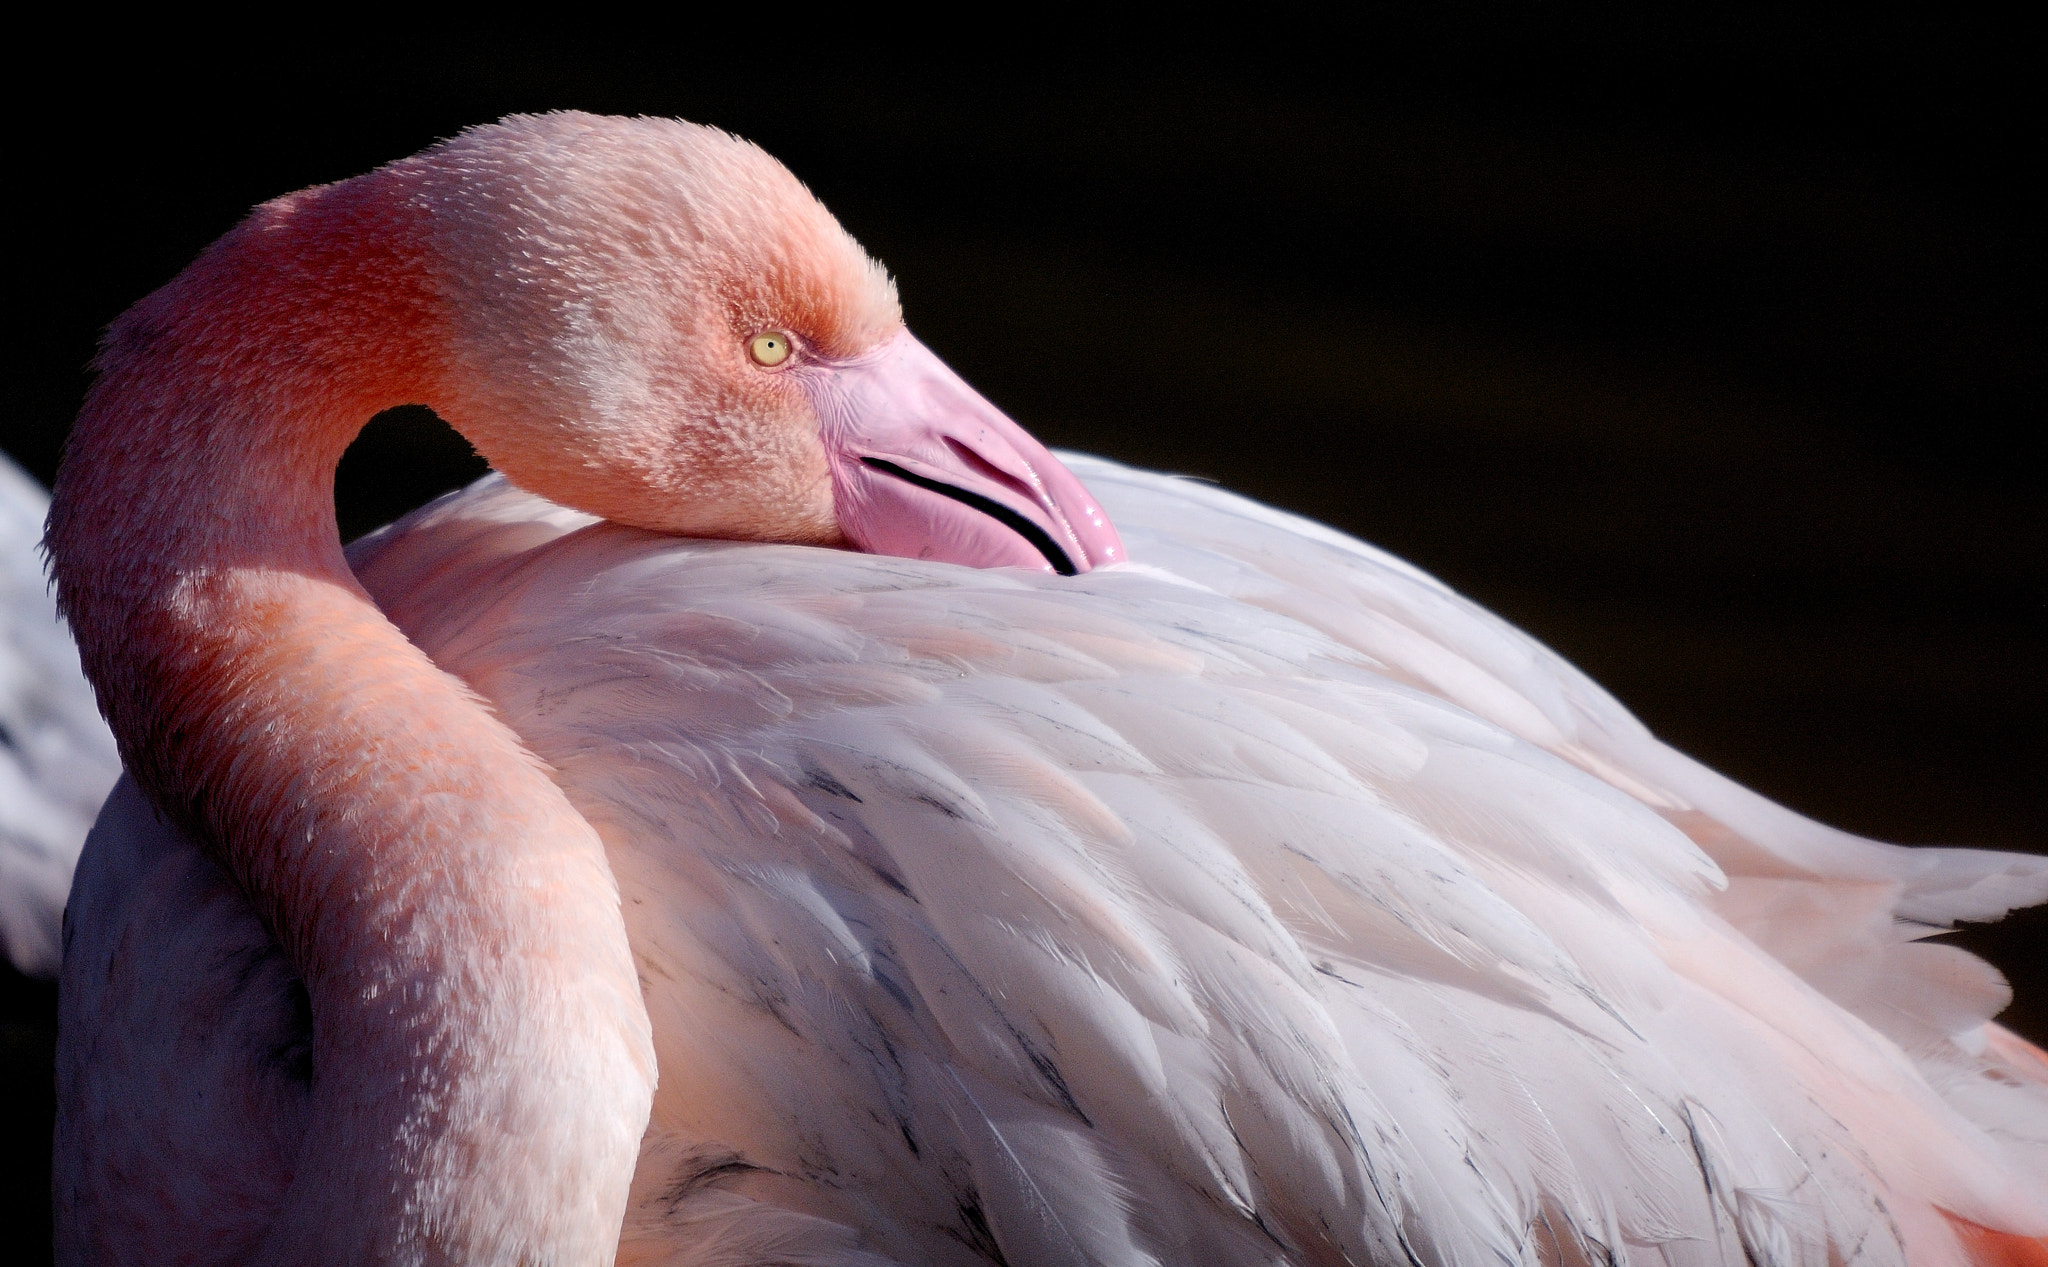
(654, 322)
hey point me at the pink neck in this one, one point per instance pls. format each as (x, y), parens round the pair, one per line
(482, 1063)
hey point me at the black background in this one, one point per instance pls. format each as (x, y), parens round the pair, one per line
(1708, 349)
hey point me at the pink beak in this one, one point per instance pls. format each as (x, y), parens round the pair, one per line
(924, 468)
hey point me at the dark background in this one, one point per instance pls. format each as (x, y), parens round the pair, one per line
(1708, 349)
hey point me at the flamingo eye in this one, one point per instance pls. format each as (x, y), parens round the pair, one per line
(769, 349)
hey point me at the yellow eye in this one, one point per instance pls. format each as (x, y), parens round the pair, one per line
(769, 348)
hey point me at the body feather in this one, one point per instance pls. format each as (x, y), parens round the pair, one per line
(1262, 901)
(57, 758)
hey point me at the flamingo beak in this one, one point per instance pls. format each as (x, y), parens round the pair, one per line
(924, 468)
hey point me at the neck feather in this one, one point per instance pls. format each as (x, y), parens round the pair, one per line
(482, 1063)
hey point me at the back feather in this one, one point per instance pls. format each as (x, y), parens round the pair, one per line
(1262, 902)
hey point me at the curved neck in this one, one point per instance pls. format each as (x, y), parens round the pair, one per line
(482, 1063)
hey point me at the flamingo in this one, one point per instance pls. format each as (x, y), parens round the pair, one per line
(787, 815)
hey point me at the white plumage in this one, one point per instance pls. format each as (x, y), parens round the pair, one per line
(57, 759)
(1259, 901)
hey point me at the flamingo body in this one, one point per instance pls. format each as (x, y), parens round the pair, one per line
(1254, 905)
(531, 887)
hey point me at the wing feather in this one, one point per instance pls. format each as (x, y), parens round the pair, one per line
(1267, 900)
